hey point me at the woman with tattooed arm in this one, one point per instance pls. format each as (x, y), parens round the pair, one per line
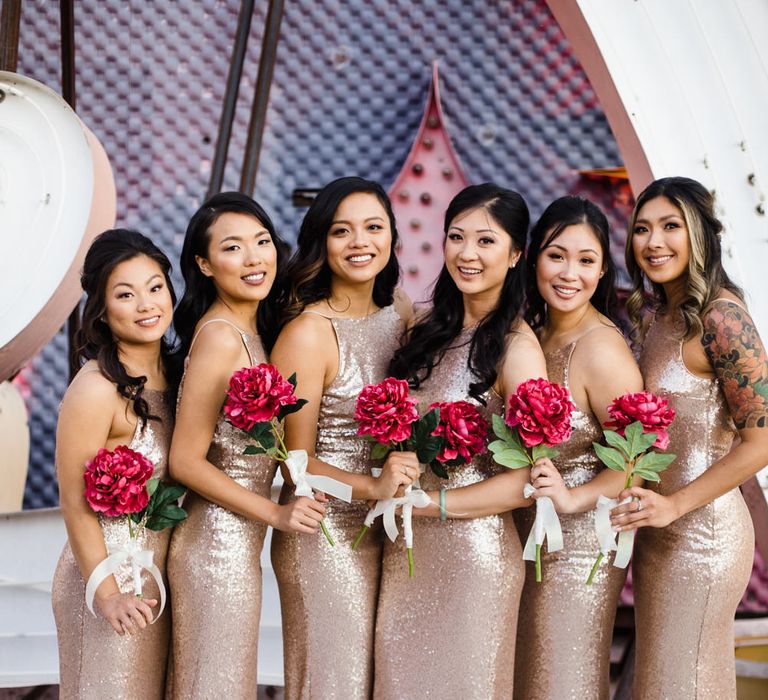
(700, 348)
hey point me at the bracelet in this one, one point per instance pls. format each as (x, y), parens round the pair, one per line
(442, 503)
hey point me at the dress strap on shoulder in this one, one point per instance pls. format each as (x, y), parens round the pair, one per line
(242, 333)
(316, 313)
(739, 303)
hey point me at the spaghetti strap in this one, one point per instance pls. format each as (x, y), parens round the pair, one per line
(317, 313)
(243, 335)
(739, 303)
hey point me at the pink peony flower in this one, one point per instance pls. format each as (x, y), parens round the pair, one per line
(116, 482)
(652, 411)
(464, 429)
(385, 411)
(541, 412)
(256, 394)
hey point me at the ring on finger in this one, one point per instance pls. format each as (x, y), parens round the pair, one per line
(639, 505)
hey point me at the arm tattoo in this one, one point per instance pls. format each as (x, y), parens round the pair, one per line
(738, 358)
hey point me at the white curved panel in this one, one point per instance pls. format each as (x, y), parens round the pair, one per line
(693, 79)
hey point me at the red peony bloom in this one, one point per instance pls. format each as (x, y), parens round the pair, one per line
(385, 411)
(256, 394)
(652, 411)
(541, 412)
(116, 482)
(464, 429)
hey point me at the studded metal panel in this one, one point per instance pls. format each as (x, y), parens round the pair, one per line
(348, 94)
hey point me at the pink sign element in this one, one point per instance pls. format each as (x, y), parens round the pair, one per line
(429, 179)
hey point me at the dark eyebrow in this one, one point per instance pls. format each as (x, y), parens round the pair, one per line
(238, 237)
(344, 221)
(129, 285)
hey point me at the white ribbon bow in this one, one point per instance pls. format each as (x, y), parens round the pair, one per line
(297, 462)
(413, 498)
(545, 526)
(139, 559)
(606, 535)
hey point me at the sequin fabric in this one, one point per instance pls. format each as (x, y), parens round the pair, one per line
(449, 632)
(215, 574)
(328, 594)
(565, 627)
(94, 661)
(689, 576)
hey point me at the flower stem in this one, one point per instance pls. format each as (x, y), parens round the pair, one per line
(595, 567)
(360, 536)
(284, 454)
(409, 551)
(327, 534)
(538, 563)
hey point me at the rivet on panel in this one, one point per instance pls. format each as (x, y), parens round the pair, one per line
(413, 270)
(426, 246)
(447, 173)
(428, 143)
(432, 121)
(417, 168)
(403, 194)
(425, 198)
(415, 223)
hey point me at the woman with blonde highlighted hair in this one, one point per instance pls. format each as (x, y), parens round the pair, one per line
(700, 348)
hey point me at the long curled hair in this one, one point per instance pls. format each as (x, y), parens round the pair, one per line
(705, 275)
(562, 213)
(94, 339)
(429, 339)
(308, 275)
(200, 291)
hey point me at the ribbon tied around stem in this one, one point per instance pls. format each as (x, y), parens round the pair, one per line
(606, 535)
(412, 498)
(306, 484)
(139, 559)
(546, 526)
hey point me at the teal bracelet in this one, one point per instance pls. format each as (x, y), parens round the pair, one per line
(442, 503)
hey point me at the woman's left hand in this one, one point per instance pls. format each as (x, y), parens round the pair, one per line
(648, 509)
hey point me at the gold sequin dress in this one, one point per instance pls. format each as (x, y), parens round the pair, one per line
(449, 632)
(328, 594)
(565, 627)
(215, 575)
(94, 661)
(689, 576)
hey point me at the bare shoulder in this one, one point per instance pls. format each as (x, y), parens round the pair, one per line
(521, 336)
(403, 305)
(91, 401)
(91, 386)
(308, 330)
(217, 340)
(601, 348)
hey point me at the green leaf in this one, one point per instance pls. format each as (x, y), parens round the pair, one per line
(637, 440)
(172, 512)
(379, 450)
(287, 410)
(500, 429)
(152, 486)
(610, 457)
(647, 475)
(292, 380)
(510, 456)
(259, 430)
(542, 451)
(438, 469)
(655, 461)
(254, 450)
(615, 440)
(157, 523)
(136, 517)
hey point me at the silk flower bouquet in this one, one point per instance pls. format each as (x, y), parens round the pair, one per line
(639, 421)
(119, 483)
(537, 417)
(448, 435)
(258, 400)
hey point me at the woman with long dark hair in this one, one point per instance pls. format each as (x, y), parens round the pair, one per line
(453, 624)
(572, 308)
(122, 395)
(695, 545)
(344, 321)
(230, 259)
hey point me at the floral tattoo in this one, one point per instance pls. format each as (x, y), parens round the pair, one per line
(738, 358)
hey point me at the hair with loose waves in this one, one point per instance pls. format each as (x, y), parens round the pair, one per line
(428, 341)
(200, 291)
(94, 339)
(308, 274)
(705, 275)
(558, 216)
